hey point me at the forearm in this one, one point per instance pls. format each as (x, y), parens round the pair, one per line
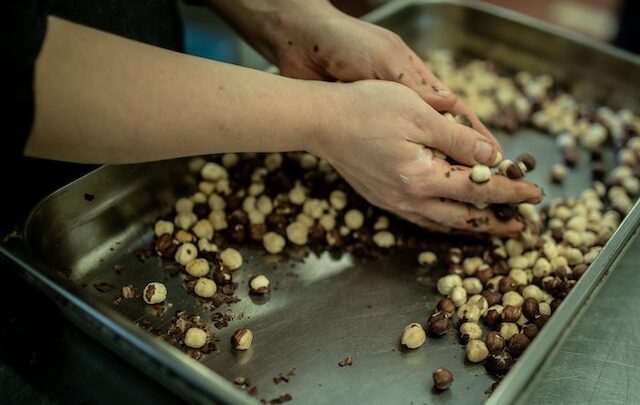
(269, 24)
(104, 99)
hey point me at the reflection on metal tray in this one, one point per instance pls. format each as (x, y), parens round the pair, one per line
(331, 308)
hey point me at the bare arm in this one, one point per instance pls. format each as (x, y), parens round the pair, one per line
(105, 99)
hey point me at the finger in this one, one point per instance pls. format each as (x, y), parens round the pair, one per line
(457, 185)
(423, 222)
(464, 217)
(461, 109)
(463, 144)
(432, 90)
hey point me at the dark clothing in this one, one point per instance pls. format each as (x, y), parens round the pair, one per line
(23, 29)
(629, 32)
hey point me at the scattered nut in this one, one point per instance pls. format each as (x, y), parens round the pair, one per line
(242, 339)
(231, 258)
(154, 293)
(273, 243)
(442, 378)
(476, 351)
(480, 174)
(205, 288)
(259, 284)
(413, 336)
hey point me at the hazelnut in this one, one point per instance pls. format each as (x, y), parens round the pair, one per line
(458, 295)
(494, 342)
(530, 308)
(185, 253)
(163, 227)
(454, 256)
(256, 218)
(456, 269)
(184, 206)
(205, 288)
(185, 220)
(469, 331)
(327, 222)
(264, 205)
(499, 363)
(484, 274)
(213, 172)
(381, 224)
(471, 264)
(427, 259)
(231, 258)
(519, 276)
(492, 318)
(273, 243)
(476, 351)
(514, 171)
(338, 199)
(384, 239)
(273, 161)
(197, 267)
(508, 329)
(218, 220)
(492, 297)
(206, 187)
(438, 324)
(533, 291)
(298, 233)
(447, 283)
(531, 330)
(507, 284)
(558, 173)
(512, 298)
(222, 276)
(184, 236)
(446, 306)
(203, 229)
(514, 247)
(354, 219)
(216, 203)
(472, 285)
(541, 320)
(154, 293)
(413, 336)
(511, 313)
(297, 195)
(242, 339)
(504, 212)
(313, 208)
(195, 338)
(517, 344)
(230, 160)
(528, 161)
(259, 284)
(480, 302)
(544, 309)
(442, 378)
(469, 312)
(480, 174)
(165, 246)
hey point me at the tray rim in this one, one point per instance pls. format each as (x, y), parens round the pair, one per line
(211, 384)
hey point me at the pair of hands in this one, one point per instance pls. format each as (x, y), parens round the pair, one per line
(382, 144)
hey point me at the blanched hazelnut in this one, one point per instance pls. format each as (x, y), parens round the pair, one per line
(185, 221)
(472, 285)
(476, 351)
(196, 163)
(514, 247)
(198, 198)
(519, 276)
(544, 308)
(542, 267)
(469, 331)
(471, 264)
(206, 187)
(184, 206)
(223, 187)
(205, 288)
(218, 220)
(327, 221)
(354, 219)
(458, 295)
(163, 227)
(447, 283)
(413, 336)
(231, 258)
(442, 378)
(384, 239)
(242, 339)
(297, 195)
(427, 259)
(381, 223)
(249, 204)
(259, 284)
(185, 253)
(469, 312)
(298, 233)
(508, 329)
(256, 218)
(230, 160)
(532, 291)
(313, 208)
(197, 267)
(264, 205)
(480, 174)
(338, 199)
(216, 202)
(154, 293)
(195, 338)
(184, 236)
(305, 219)
(512, 298)
(273, 161)
(213, 172)
(273, 242)
(558, 173)
(255, 189)
(203, 229)
(205, 245)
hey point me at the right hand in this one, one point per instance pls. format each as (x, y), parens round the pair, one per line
(382, 145)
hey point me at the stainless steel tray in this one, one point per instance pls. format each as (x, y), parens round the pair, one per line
(331, 308)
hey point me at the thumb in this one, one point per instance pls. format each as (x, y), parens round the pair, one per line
(461, 143)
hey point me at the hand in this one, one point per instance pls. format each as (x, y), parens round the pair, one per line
(382, 147)
(331, 45)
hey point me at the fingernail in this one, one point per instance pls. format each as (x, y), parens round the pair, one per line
(441, 91)
(483, 152)
(497, 159)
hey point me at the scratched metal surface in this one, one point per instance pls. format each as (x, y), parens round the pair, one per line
(598, 362)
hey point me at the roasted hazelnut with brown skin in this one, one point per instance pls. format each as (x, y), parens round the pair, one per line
(454, 256)
(438, 324)
(504, 212)
(507, 284)
(499, 363)
(528, 160)
(555, 304)
(222, 277)
(530, 308)
(442, 378)
(511, 313)
(551, 285)
(242, 339)
(165, 247)
(540, 320)
(494, 342)
(578, 270)
(257, 232)
(531, 330)
(456, 269)
(518, 344)
(492, 318)
(514, 172)
(446, 307)
(492, 297)
(484, 274)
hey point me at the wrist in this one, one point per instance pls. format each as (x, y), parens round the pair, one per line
(330, 103)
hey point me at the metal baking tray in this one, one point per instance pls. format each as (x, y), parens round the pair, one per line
(331, 308)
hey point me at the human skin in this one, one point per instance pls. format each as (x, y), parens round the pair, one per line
(105, 99)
